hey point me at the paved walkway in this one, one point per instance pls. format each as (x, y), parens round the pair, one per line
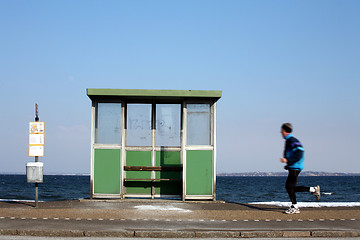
(161, 218)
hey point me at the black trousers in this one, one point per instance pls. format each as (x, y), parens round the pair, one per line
(291, 187)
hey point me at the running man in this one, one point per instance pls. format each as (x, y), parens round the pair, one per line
(294, 159)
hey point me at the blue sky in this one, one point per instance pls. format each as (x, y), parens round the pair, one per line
(275, 61)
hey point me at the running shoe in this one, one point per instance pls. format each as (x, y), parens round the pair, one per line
(317, 192)
(292, 210)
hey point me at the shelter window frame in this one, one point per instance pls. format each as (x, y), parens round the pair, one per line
(139, 117)
(103, 136)
(168, 121)
(195, 122)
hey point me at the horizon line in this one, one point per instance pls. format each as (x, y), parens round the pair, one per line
(218, 173)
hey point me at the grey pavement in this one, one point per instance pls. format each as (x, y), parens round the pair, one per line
(175, 219)
(110, 238)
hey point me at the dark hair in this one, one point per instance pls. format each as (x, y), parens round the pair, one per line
(287, 127)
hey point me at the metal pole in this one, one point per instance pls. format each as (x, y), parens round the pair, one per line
(36, 159)
(36, 188)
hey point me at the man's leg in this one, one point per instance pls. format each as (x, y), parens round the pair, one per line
(314, 190)
(302, 189)
(290, 188)
(291, 185)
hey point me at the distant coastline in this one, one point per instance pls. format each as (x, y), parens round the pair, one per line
(279, 174)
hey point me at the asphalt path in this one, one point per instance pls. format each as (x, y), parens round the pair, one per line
(110, 225)
(147, 218)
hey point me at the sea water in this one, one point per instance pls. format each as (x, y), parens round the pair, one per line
(335, 190)
(269, 190)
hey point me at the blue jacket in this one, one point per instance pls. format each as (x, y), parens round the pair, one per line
(294, 153)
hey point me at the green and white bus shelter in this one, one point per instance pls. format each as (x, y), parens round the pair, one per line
(153, 143)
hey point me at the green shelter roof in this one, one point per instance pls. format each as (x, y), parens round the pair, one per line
(151, 93)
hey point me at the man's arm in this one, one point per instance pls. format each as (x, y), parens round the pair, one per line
(295, 156)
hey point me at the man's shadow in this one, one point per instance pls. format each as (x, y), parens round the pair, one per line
(266, 208)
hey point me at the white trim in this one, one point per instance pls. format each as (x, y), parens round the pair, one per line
(153, 142)
(212, 148)
(199, 197)
(107, 146)
(92, 134)
(168, 149)
(101, 195)
(214, 151)
(183, 147)
(199, 147)
(123, 152)
(149, 196)
(145, 149)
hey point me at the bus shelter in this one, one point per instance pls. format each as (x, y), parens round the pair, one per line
(153, 143)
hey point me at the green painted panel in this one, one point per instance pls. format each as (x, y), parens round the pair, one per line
(138, 158)
(168, 159)
(199, 172)
(107, 171)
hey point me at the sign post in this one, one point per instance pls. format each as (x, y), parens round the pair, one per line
(36, 149)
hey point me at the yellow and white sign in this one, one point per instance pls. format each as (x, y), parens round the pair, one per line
(36, 139)
(36, 151)
(36, 127)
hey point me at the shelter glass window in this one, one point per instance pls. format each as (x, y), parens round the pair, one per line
(138, 125)
(168, 120)
(108, 123)
(198, 124)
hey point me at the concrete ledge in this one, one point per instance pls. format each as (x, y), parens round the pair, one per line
(122, 234)
(51, 233)
(261, 234)
(165, 234)
(335, 234)
(289, 234)
(181, 234)
(217, 234)
(8, 232)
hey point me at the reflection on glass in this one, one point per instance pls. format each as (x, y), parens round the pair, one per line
(168, 124)
(198, 124)
(138, 125)
(108, 123)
